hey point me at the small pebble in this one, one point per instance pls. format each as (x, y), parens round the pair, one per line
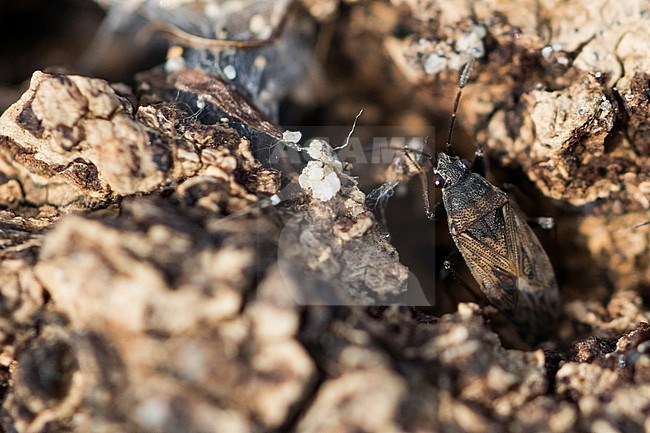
(230, 72)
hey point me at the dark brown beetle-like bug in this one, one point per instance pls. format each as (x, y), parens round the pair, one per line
(500, 249)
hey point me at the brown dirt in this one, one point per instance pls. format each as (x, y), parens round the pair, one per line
(146, 284)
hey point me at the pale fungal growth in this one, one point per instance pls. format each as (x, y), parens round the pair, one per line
(175, 61)
(469, 46)
(605, 104)
(321, 176)
(258, 25)
(435, 63)
(547, 52)
(472, 42)
(321, 180)
(291, 137)
(230, 72)
(564, 61)
(318, 149)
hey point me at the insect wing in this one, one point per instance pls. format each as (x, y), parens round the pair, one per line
(539, 295)
(484, 248)
(506, 258)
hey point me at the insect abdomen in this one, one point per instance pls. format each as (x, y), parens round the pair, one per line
(502, 252)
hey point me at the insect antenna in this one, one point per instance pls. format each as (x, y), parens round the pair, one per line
(448, 269)
(640, 225)
(464, 78)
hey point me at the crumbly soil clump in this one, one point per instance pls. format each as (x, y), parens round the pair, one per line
(150, 281)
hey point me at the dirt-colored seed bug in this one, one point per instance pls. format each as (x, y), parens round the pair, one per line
(500, 249)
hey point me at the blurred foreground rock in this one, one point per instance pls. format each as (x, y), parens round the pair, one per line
(147, 286)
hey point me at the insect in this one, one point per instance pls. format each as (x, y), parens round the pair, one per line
(501, 251)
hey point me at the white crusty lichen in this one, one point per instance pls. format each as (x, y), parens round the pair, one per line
(320, 180)
(438, 56)
(435, 63)
(471, 43)
(291, 138)
(321, 177)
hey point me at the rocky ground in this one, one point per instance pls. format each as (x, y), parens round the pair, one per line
(149, 284)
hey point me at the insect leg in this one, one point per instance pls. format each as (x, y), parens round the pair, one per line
(544, 223)
(520, 198)
(487, 310)
(478, 164)
(431, 214)
(448, 271)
